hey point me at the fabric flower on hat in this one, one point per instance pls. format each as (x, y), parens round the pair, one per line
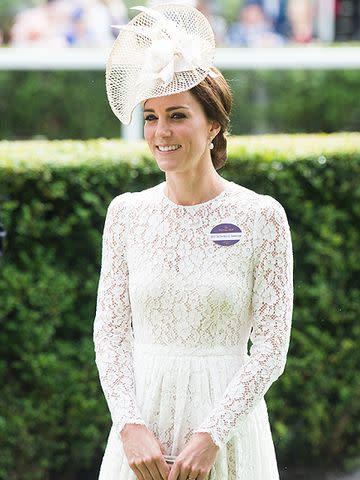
(178, 52)
(165, 57)
(160, 62)
(161, 51)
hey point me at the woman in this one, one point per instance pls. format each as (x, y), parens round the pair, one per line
(191, 269)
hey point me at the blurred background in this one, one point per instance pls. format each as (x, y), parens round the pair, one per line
(78, 23)
(56, 87)
(294, 69)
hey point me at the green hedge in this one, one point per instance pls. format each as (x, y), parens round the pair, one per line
(54, 420)
(63, 105)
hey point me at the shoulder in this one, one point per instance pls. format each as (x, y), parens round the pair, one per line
(265, 214)
(269, 205)
(117, 210)
(258, 202)
(119, 202)
(146, 195)
(132, 201)
(270, 219)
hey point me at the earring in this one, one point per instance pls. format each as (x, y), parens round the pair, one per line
(211, 146)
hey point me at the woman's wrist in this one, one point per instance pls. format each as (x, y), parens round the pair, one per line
(130, 428)
(209, 438)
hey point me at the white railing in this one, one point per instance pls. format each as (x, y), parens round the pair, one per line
(309, 57)
(281, 58)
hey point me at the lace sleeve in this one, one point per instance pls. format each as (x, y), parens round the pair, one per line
(272, 305)
(112, 333)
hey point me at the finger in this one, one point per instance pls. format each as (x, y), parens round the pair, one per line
(185, 472)
(163, 468)
(138, 473)
(153, 471)
(193, 476)
(174, 472)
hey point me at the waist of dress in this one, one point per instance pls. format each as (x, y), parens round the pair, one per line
(196, 350)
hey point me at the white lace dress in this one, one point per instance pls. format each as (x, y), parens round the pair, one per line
(181, 290)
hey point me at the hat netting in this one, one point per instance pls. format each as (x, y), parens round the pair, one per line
(129, 53)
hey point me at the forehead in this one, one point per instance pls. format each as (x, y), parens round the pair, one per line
(177, 99)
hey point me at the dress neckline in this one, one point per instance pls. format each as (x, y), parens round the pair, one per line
(162, 185)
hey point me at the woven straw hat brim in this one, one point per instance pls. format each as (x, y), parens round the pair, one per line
(130, 77)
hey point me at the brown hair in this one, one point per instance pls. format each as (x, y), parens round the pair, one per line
(214, 95)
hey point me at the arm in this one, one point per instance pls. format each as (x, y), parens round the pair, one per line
(272, 304)
(112, 333)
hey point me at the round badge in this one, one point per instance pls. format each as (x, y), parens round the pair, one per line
(225, 234)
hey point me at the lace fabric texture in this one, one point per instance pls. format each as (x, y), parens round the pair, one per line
(175, 311)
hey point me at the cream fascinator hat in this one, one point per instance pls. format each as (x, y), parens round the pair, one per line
(163, 50)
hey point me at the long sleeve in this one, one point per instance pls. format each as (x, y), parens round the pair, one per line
(112, 333)
(271, 316)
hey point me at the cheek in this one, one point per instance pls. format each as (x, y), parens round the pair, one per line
(188, 134)
(148, 133)
(196, 135)
(198, 140)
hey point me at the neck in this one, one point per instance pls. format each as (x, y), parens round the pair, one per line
(185, 191)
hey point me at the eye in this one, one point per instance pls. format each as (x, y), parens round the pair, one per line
(178, 115)
(175, 116)
(148, 118)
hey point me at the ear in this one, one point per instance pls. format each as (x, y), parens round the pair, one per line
(214, 128)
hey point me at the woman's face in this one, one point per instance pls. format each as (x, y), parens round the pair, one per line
(178, 121)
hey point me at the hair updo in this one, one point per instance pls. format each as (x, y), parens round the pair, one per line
(214, 94)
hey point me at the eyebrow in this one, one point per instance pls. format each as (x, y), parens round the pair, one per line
(167, 110)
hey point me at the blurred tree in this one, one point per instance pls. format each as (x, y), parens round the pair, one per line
(229, 9)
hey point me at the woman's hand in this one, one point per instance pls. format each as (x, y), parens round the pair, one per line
(144, 453)
(196, 459)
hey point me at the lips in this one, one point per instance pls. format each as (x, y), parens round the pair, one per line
(168, 150)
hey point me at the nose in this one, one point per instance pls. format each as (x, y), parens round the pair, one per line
(163, 129)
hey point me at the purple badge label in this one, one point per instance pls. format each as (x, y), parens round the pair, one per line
(225, 234)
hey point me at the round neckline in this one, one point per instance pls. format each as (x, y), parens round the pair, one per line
(196, 205)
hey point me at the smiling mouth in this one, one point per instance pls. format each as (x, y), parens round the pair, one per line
(167, 149)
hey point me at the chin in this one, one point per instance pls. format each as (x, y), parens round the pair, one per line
(167, 169)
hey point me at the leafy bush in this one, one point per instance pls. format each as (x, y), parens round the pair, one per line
(73, 105)
(54, 419)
